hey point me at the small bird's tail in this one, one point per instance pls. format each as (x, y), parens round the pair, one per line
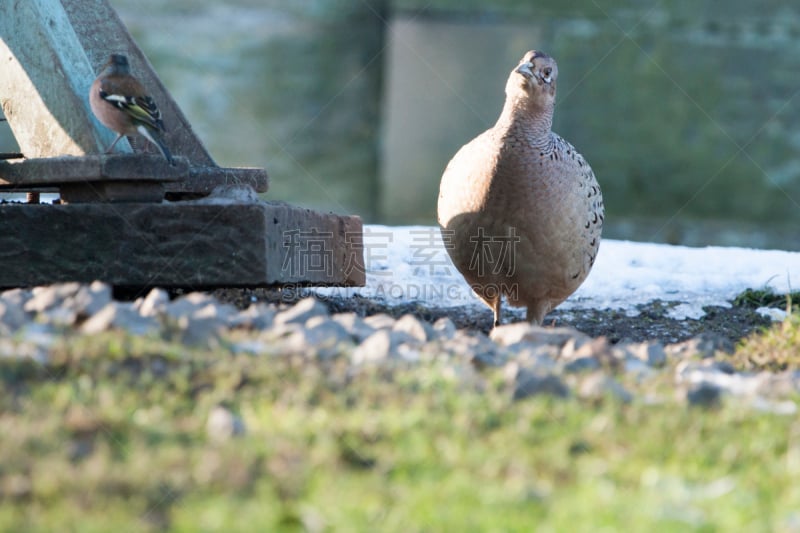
(155, 137)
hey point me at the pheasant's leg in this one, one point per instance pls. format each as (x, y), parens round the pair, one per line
(536, 311)
(495, 305)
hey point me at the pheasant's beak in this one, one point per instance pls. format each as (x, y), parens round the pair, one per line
(525, 69)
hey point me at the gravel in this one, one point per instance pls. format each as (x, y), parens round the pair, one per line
(555, 361)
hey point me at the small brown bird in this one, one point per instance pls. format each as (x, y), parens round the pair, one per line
(520, 209)
(120, 102)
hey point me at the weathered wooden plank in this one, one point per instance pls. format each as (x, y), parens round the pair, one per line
(112, 191)
(72, 169)
(185, 244)
(129, 168)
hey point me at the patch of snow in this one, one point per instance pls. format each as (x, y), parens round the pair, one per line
(410, 263)
(773, 313)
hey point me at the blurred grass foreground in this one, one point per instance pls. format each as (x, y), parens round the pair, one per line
(123, 433)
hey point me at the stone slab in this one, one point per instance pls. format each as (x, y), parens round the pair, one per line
(193, 245)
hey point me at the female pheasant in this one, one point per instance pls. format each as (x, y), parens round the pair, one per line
(520, 209)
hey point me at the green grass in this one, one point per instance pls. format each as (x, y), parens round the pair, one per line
(766, 297)
(776, 349)
(111, 437)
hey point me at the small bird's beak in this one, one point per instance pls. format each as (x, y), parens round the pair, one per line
(525, 69)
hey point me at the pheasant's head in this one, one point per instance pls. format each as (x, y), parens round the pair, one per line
(534, 79)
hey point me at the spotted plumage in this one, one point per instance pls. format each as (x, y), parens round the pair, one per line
(520, 205)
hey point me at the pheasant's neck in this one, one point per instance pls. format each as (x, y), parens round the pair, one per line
(534, 123)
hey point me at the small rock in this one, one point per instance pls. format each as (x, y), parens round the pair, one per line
(49, 296)
(300, 312)
(704, 345)
(325, 338)
(258, 317)
(529, 383)
(89, 299)
(12, 316)
(121, 316)
(30, 343)
(474, 345)
(413, 327)
(223, 424)
(598, 348)
(379, 321)
(409, 352)
(444, 328)
(354, 325)
(518, 332)
(582, 364)
(598, 385)
(704, 395)
(249, 346)
(187, 304)
(198, 305)
(16, 296)
(378, 347)
(155, 303)
(723, 366)
(651, 353)
(63, 304)
(58, 316)
(220, 312)
(738, 384)
(538, 357)
(589, 356)
(638, 368)
(43, 335)
(509, 334)
(199, 331)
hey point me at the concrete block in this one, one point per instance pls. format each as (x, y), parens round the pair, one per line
(193, 245)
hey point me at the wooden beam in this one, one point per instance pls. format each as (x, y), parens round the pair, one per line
(44, 82)
(71, 169)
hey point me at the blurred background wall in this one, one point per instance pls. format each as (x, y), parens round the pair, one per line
(687, 110)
